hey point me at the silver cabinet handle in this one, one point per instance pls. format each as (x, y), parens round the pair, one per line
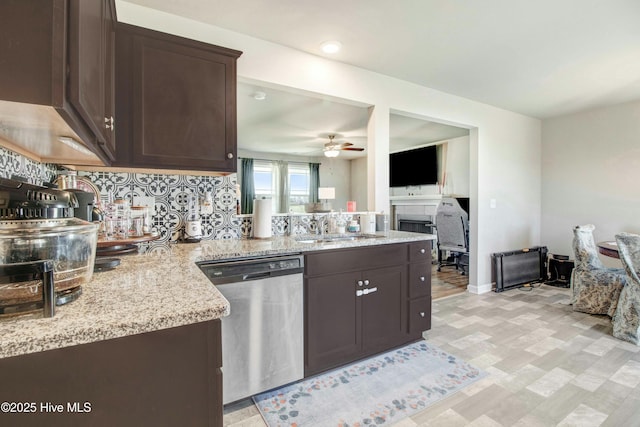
(360, 283)
(366, 291)
(108, 123)
(422, 279)
(229, 155)
(422, 314)
(423, 250)
(366, 283)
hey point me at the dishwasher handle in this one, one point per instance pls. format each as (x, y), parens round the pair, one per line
(253, 276)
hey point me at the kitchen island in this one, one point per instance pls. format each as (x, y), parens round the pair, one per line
(141, 334)
(155, 291)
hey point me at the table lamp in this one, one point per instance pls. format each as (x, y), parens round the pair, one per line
(325, 194)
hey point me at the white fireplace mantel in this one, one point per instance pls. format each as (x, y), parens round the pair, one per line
(430, 199)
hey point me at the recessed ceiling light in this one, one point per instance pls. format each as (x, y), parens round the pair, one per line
(259, 96)
(331, 46)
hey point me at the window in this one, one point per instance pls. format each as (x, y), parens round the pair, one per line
(263, 178)
(266, 184)
(298, 186)
(264, 181)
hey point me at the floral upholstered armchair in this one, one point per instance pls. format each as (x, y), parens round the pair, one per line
(595, 288)
(626, 324)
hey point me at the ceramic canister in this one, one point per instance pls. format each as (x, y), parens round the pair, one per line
(368, 223)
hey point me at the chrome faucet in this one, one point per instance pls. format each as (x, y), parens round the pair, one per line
(321, 221)
(289, 224)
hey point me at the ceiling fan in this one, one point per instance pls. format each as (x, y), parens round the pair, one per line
(332, 148)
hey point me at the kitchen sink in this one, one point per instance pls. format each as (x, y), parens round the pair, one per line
(331, 238)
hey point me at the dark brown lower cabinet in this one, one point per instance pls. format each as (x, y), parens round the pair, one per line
(419, 287)
(333, 321)
(170, 377)
(358, 303)
(384, 323)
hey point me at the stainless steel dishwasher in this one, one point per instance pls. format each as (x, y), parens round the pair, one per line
(263, 337)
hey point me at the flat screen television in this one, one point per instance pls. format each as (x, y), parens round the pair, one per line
(414, 167)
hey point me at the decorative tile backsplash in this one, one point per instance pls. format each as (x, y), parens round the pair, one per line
(298, 223)
(14, 165)
(171, 194)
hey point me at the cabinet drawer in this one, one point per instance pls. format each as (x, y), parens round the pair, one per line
(420, 251)
(419, 315)
(419, 280)
(355, 259)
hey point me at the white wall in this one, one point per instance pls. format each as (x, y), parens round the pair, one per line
(590, 174)
(336, 172)
(359, 183)
(505, 146)
(457, 168)
(276, 156)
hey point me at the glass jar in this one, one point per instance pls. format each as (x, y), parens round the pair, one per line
(141, 215)
(121, 218)
(67, 180)
(147, 220)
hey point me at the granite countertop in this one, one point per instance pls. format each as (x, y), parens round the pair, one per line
(159, 290)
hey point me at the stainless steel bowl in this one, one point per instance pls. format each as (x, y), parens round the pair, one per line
(69, 242)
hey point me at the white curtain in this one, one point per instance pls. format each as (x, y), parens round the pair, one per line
(281, 169)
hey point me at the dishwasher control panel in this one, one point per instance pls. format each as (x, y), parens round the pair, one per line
(250, 269)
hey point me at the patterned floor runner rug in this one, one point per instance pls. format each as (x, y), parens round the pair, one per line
(374, 392)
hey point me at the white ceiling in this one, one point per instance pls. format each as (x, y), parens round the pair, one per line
(295, 123)
(542, 58)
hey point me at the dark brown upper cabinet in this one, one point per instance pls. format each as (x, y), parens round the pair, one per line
(91, 67)
(176, 102)
(56, 80)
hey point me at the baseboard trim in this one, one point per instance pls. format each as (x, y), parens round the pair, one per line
(481, 289)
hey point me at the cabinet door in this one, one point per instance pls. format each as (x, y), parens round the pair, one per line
(384, 320)
(32, 42)
(169, 377)
(333, 321)
(183, 106)
(109, 79)
(88, 22)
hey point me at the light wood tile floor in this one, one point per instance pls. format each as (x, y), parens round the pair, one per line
(548, 365)
(447, 282)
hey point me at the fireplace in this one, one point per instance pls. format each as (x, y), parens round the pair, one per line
(416, 225)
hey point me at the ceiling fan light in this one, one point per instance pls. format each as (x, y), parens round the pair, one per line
(331, 46)
(331, 153)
